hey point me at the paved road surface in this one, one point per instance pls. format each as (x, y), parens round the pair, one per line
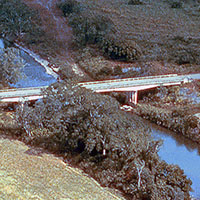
(109, 85)
(141, 81)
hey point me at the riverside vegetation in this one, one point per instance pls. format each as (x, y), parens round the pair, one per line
(175, 109)
(176, 50)
(90, 130)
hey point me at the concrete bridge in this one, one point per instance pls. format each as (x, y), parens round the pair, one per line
(130, 85)
(21, 94)
(133, 85)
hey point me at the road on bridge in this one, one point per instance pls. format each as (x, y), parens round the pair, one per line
(129, 84)
(21, 94)
(118, 85)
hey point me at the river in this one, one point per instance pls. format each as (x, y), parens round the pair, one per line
(175, 149)
(35, 72)
(180, 151)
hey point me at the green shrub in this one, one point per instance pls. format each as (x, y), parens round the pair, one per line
(111, 146)
(176, 4)
(89, 28)
(120, 48)
(135, 2)
(68, 7)
(178, 120)
(10, 65)
(16, 19)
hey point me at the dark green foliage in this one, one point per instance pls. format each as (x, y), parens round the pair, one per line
(186, 57)
(68, 7)
(96, 28)
(10, 65)
(135, 2)
(111, 146)
(15, 19)
(178, 119)
(174, 108)
(89, 28)
(176, 4)
(96, 66)
(121, 49)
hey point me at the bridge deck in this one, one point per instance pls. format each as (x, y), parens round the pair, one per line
(131, 83)
(16, 95)
(118, 85)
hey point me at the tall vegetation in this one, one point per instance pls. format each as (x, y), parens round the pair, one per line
(16, 19)
(10, 65)
(109, 145)
(91, 27)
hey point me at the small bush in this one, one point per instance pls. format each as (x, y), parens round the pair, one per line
(135, 2)
(68, 7)
(176, 4)
(121, 49)
(186, 57)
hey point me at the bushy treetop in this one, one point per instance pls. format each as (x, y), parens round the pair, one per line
(15, 18)
(113, 147)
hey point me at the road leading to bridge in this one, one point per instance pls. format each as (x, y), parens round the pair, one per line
(21, 94)
(120, 84)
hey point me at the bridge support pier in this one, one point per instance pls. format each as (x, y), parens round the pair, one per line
(133, 97)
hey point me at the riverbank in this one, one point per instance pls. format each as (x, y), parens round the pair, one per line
(175, 108)
(128, 146)
(174, 119)
(177, 149)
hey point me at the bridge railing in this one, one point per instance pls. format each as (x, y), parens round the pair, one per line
(126, 79)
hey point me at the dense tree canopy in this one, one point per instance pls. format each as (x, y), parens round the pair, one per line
(113, 147)
(15, 18)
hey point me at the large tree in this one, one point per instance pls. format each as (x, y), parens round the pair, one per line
(10, 65)
(108, 144)
(15, 18)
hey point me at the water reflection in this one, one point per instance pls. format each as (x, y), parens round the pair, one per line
(178, 150)
(33, 74)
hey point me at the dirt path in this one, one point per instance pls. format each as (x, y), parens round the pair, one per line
(30, 174)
